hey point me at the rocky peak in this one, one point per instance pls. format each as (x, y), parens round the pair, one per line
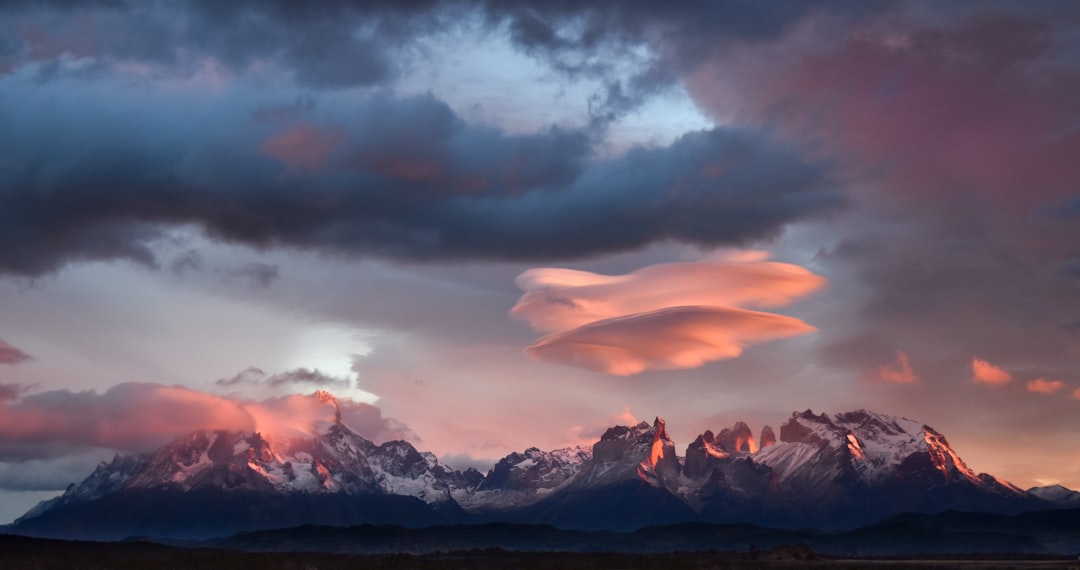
(626, 452)
(327, 398)
(737, 439)
(661, 462)
(1057, 494)
(625, 433)
(534, 469)
(768, 437)
(701, 454)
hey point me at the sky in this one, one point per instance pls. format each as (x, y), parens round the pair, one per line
(486, 226)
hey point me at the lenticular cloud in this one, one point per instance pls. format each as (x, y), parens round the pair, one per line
(661, 317)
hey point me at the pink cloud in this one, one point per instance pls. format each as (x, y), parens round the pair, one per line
(142, 417)
(976, 106)
(11, 391)
(899, 371)
(11, 355)
(1076, 393)
(560, 299)
(1044, 385)
(661, 317)
(304, 146)
(666, 339)
(985, 373)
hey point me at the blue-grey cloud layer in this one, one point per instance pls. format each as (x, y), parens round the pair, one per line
(100, 173)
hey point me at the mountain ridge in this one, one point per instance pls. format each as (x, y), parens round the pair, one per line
(830, 472)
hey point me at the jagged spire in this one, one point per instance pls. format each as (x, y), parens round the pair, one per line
(328, 398)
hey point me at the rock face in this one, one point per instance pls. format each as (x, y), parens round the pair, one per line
(641, 451)
(768, 437)
(624, 485)
(522, 479)
(248, 482)
(860, 466)
(826, 471)
(702, 455)
(737, 439)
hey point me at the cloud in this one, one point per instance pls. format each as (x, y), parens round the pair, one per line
(559, 299)
(11, 391)
(406, 179)
(1076, 394)
(256, 377)
(661, 317)
(142, 417)
(11, 355)
(190, 260)
(341, 44)
(1044, 385)
(331, 46)
(260, 275)
(898, 371)
(666, 339)
(303, 147)
(127, 416)
(985, 373)
(1069, 268)
(50, 473)
(587, 38)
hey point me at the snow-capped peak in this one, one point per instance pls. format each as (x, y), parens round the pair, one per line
(876, 444)
(1057, 494)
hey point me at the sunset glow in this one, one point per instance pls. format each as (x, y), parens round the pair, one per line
(484, 227)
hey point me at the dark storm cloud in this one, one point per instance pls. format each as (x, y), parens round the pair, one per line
(92, 178)
(11, 355)
(594, 38)
(259, 275)
(330, 45)
(257, 377)
(324, 44)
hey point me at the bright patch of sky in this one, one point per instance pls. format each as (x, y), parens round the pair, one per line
(486, 80)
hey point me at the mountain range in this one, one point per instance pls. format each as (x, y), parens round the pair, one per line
(826, 472)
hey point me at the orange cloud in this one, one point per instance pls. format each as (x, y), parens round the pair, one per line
(560, 299)
(898, 371)
(1076, 393)
(667, 339)
(661, 317)
(985, 373)
(1044, 385)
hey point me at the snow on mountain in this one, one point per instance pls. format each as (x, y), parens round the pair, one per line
(847, 469)
(331, 458)
(873, 445)
(522, 479)
(856, 467)
(1058, 495)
